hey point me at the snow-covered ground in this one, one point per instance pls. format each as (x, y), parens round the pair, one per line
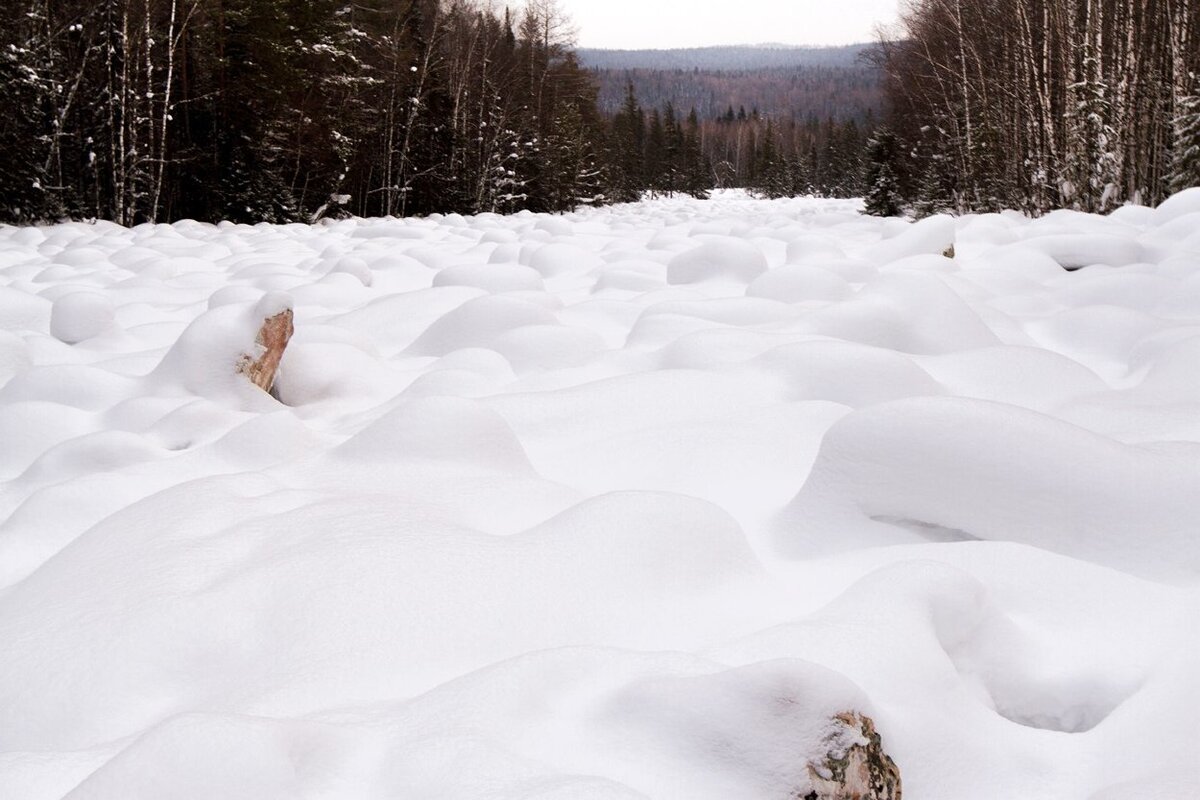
(619, 504)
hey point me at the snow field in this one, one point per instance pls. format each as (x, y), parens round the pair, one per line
(619, 504)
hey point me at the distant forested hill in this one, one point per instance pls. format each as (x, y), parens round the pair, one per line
(776, 119)
(723, 58)
(780, 82)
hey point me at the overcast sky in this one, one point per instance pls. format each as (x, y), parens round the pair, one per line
(679, 23)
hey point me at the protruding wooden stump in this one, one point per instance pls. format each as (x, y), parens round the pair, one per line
(272, 340)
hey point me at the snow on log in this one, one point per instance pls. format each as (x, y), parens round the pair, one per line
(856, 767)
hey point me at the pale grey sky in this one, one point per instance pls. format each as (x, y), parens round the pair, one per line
(658, 24)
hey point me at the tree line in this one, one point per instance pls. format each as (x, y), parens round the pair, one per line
(724, 58)
(788, 157)
(291, 110)
(295, 110)
(778, 92)
(1039, 104)
(658, 152)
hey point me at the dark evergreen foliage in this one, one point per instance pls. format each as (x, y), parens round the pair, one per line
(299, 110)
(292, 110)
(884, 197)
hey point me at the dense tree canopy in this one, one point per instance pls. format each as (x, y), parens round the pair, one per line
(293, 110)
(281, 110)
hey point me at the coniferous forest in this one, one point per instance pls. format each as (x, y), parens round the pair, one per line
(296, 110)
(780, 120)
(290, 110)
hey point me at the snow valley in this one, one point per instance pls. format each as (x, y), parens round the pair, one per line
(624, 503)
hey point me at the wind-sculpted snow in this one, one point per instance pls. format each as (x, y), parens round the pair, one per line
(628, 503)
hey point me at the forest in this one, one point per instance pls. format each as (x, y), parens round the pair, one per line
(781, 121)
(724, 58)
(290, 110)
(778, 82)
(1041, 104)
(297, 110)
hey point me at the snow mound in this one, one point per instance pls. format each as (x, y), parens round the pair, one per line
(439, 430)
(479, 323)
(204, 361)
(626, 503)
(796, 283)
(1072, 251)
(931, 236)
(355, 267)
(493, 278)
(755, 729)
(910, 311)
(79, 316)
(14, 356)
(1178, 205)
(563, 259)
(938, 469)
(718, 258)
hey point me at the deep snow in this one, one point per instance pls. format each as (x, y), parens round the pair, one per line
(625, 503)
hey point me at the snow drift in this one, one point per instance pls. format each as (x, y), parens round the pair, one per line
(629, 503)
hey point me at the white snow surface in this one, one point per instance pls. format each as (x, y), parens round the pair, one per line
(625, 503)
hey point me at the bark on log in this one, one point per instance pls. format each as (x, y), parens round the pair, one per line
(270, 343)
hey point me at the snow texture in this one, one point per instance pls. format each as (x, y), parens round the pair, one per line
(620, 504)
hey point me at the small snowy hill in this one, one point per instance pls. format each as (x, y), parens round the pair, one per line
(628, 503)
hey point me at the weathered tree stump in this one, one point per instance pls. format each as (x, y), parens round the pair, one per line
(272, 340)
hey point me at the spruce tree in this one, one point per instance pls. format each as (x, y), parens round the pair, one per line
(656, 152)
(697, 171)
(883, 198)
(936, 190)
(628, 146)
(771, 170)
(672, 150)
